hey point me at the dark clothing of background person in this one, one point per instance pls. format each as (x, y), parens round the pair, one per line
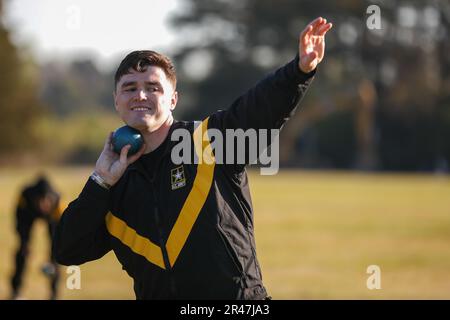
(37, 201)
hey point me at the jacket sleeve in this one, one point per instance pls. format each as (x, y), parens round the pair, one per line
(81, 233)
(270, 103)
(267, 105)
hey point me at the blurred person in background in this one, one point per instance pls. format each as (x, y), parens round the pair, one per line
(37, 201)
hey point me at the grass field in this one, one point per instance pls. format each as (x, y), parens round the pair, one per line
(316, 233)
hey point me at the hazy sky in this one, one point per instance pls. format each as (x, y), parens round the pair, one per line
(102, 27)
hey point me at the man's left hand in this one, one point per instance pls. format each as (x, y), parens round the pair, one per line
(312, 44)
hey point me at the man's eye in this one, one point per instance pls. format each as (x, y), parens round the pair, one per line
(130, 89)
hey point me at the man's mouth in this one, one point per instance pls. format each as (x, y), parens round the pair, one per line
(140, 108)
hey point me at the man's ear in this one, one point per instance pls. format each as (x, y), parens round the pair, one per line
(173, 100)
(115, 99)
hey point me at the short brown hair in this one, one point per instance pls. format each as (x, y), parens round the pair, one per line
(140, 60)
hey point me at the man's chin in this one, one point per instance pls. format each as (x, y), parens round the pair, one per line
(144, 126)
(147, 124)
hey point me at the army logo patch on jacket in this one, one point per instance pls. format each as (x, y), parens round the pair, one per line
(177, 178)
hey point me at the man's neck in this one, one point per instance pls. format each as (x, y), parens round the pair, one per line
(154, 139)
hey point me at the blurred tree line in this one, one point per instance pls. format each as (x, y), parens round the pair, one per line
(57, 112)
(19, 103)
(380, 101)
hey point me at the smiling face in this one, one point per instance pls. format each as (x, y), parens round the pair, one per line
(145, 100)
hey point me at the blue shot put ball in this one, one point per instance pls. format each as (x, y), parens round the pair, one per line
(127, 135)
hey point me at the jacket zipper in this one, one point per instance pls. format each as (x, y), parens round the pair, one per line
(162, 243)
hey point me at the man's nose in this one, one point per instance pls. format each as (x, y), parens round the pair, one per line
(142, 95)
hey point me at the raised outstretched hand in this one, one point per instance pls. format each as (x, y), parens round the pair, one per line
(312, 44)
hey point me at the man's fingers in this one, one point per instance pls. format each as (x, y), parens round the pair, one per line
(324, 28)
(108, 142)
(124, 153)
(304, 36)
(318, 27)
(311, 26)
(316, 22)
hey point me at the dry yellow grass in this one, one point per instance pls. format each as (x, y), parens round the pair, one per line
(316, 233)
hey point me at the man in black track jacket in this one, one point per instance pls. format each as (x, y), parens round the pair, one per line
(181, 230)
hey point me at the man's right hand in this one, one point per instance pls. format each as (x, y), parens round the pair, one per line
(110, 166)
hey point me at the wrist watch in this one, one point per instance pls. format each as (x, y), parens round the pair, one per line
(100, 181)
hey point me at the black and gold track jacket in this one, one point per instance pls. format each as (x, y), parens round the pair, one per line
(187, 232)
